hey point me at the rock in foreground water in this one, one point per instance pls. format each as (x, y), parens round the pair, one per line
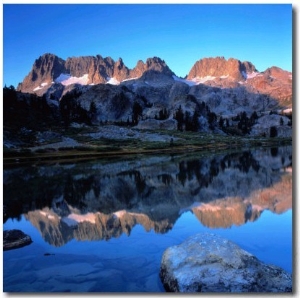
(15, 239)
(209, 263)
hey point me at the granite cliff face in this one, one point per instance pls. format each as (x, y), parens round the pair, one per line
(97, 90)
(44, 70)
(275, 83)
(220, 67)
(232, 73)
(50, 71)
(86, 70)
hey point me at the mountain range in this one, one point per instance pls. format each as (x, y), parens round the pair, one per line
(49, 69)
(222, 96)
(85, 71)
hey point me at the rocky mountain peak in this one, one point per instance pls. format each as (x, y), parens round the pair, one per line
(152, 64)
(220, 67)
(44, 69)
(278, 73)
(216, 72)
(120, 70)
(158, 65)
(78, 66)
(85, 69)
(248, 67)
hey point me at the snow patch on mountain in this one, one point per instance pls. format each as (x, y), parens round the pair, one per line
(112, 81)
(198, 80)
(250, 75)
(66, 79)
(40, 86)
(288, 111)
(37, 88)
(188, 82)
(201, 80)
(130, 79)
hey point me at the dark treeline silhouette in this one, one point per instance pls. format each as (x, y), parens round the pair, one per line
(26, 110)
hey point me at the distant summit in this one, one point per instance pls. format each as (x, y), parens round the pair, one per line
(220, 67)
(44, 69)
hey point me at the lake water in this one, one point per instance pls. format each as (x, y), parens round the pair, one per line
(102, 226)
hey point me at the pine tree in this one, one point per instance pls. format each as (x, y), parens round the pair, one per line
(273, 132)
(187, 121)
(281, 121)
(180, 118)
(212, 118)
(92, 112)
(221, 122)
(195, 121)
(137, 112)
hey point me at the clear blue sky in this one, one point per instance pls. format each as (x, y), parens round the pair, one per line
(180, 34)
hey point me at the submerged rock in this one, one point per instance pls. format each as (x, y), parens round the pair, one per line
(209, 263)
(15, 239)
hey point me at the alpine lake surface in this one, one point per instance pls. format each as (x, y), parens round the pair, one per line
(103, 225)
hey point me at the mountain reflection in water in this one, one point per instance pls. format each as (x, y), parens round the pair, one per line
(102, 200)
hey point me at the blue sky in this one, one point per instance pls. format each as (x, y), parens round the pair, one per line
(180, 34)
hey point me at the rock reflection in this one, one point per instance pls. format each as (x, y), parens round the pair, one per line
(98, 200)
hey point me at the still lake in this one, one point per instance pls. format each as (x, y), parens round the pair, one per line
(103, 225)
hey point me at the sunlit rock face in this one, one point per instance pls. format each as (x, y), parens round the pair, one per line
(99, 200)
(42, 74)
(274, 82)
(85, 70)
(220, 67)
(209, 263)
(239, 83)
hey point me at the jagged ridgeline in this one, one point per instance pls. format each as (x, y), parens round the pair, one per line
(225, 96)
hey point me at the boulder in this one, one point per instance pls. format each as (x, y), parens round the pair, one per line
(15, 239)
(210, 263)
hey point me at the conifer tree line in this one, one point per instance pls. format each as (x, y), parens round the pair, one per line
(32, 109)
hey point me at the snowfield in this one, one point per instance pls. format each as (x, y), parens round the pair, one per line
(196, 80)
(112, 81)
(202, 80)
(66, 79)
(188, 82)
(40, 86)
(37, 88)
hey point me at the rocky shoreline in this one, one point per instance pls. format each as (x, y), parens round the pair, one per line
(13, 239)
